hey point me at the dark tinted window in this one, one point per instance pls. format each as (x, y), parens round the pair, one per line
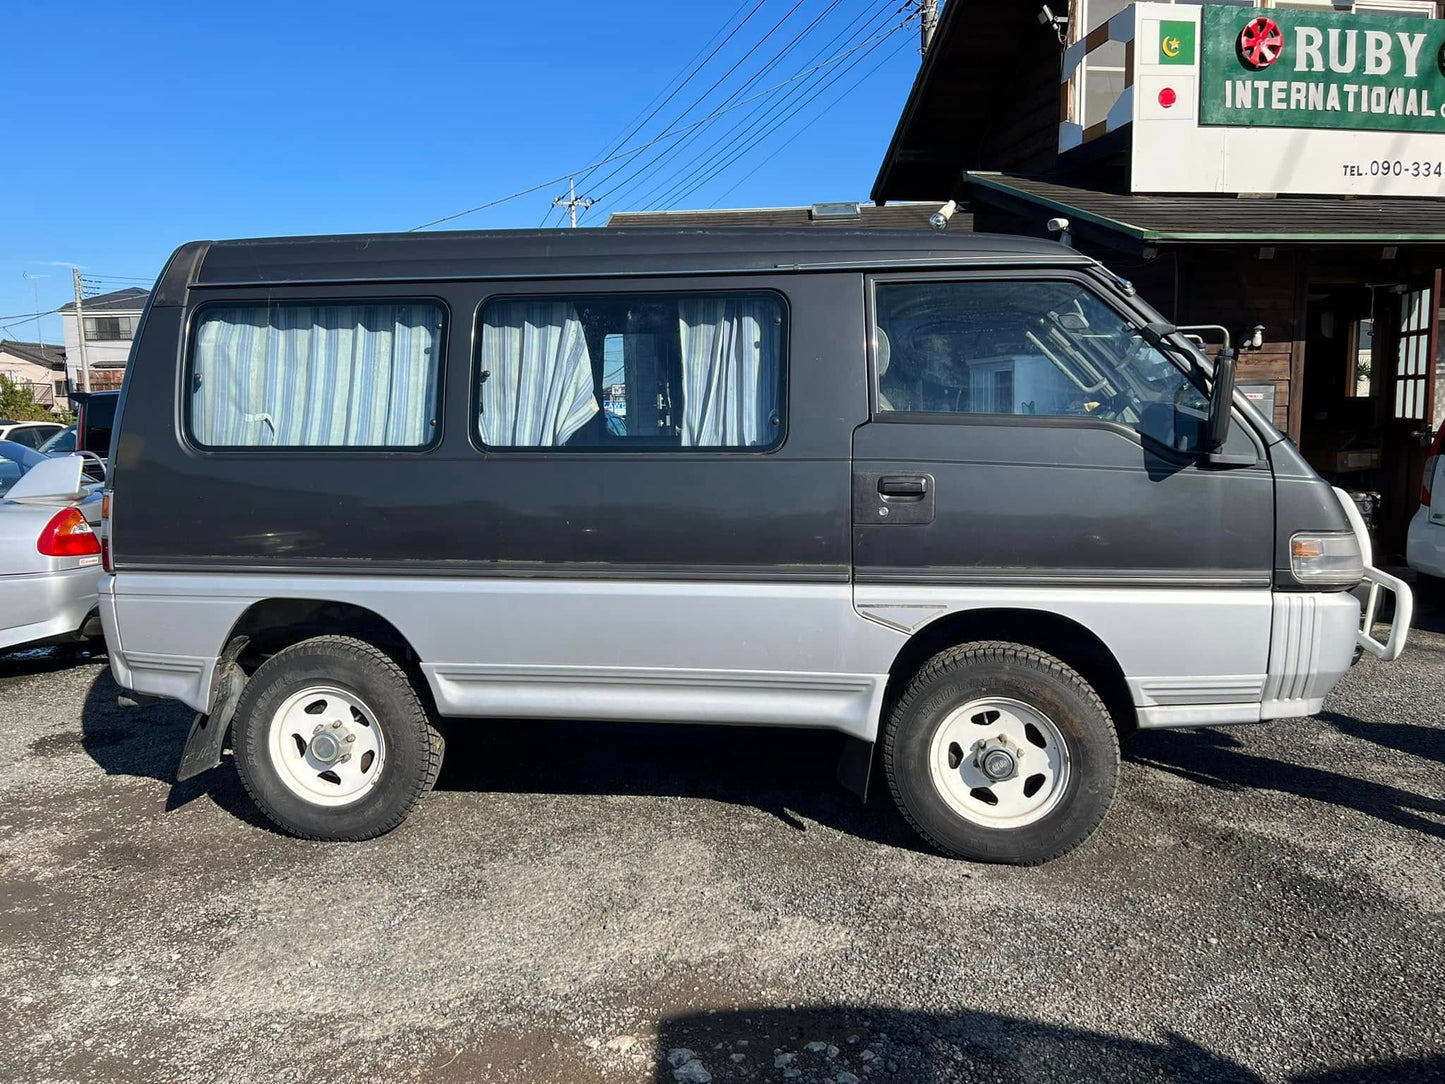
(632, 371)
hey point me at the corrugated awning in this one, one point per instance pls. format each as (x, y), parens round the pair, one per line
(1142, 220)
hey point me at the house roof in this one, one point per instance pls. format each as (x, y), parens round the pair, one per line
(895, 215)
(1140, 220)
(131, 299)
(985, 96)
(40, 353)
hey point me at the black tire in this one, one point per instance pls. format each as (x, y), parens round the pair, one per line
(413, 744)
(1017, 672)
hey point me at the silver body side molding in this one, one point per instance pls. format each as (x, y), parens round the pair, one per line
(782, 654)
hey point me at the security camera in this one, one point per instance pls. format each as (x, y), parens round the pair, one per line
(1060, 23)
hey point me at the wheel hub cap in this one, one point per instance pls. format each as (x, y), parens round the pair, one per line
(327, 746)
(999, 763)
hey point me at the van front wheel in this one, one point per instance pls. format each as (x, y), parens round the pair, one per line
(998, 752)
(332, 742)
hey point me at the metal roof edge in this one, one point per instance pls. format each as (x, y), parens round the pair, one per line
(987, 180)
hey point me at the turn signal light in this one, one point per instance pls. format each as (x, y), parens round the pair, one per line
(1326, 557)
(68, 535)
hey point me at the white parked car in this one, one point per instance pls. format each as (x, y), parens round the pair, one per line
(30, 434)
(1425, 543)
(50, 559)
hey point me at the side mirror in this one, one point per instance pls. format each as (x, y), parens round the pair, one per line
(1221, 401)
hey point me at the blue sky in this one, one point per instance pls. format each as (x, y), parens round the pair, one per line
(159, 123)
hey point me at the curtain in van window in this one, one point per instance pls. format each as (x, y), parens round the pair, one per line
(730, 357)
(538, 387)
(316, 375)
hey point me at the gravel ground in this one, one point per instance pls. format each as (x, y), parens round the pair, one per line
(683, 904)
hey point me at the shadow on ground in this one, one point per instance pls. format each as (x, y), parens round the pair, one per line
(146, 742)
(1217, 759)
(787, 773)
(941, 1048)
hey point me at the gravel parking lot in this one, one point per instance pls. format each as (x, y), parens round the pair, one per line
(627, 904)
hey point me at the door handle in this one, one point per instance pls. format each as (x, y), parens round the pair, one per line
(903, 487)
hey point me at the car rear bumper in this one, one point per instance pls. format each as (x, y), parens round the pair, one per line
(41, 606)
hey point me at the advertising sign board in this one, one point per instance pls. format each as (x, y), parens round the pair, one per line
(1236, 99)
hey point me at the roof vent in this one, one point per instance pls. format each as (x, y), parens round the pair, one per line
(834, 210)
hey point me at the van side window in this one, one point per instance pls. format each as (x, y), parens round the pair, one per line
(309, 375)
(1046, 348)
(631, 371)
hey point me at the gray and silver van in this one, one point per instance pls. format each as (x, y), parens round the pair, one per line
(965, 499)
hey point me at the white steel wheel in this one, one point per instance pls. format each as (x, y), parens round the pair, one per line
(999, 763)
(326, 746)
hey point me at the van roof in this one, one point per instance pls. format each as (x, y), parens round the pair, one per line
(637, 250)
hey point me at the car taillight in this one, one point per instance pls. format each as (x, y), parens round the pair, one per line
(105, 499)
(68, 535)
(1428, 477)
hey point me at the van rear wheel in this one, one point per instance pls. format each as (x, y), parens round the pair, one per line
(332, 742)
(998, 752)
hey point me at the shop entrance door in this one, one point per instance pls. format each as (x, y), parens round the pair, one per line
(1411, 315)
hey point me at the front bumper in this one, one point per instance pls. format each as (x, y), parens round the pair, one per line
(40, 606)
(1378, 582)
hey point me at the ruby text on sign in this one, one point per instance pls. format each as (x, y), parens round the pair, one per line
(1304, 69)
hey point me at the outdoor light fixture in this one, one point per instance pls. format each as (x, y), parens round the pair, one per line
(1255, 339)
(939, 219)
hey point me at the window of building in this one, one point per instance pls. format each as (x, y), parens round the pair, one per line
(316, 375)
(1032, 349)
(1411, 354)
(1100, 78)
(631, 372)
(109, 328)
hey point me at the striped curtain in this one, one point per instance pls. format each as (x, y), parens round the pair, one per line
(730, 358)
(316, 375)
(537, 390)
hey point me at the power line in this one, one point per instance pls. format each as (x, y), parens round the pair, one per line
(717, 82)
(673, 134)
(831, 80)
(677, 148)
(760, 114)
(613, 145)
(684, 182)
(826, 109)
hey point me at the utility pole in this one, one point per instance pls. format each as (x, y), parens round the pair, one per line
(80, 326)
(929, 10)
(572, 202)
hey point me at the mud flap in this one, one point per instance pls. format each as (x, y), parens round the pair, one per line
(208, 732)
(855, 766)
